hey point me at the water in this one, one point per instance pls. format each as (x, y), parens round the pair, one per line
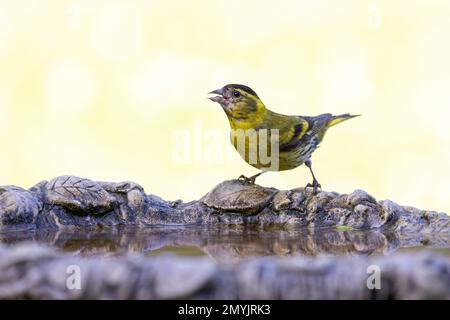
(226, 244)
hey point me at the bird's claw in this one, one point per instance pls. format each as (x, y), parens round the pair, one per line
(315, 185)
(244, 179)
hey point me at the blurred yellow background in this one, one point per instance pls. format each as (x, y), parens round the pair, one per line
(100, 89)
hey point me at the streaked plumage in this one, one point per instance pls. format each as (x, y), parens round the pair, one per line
(299, 136)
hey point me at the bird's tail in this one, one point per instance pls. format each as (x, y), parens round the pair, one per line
(342, 117)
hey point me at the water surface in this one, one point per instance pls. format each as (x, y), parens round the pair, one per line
(226, 244)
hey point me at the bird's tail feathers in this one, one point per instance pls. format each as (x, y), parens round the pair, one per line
(342, 117)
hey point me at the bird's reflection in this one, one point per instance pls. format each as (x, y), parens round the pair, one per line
(223, 243)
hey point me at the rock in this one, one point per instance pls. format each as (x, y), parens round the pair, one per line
(281, 200)
(181, 280)
(72, 202)
(359, 196)
(237, 196)
(18, 206)
(121, 187)
(297, 198)
(79, 195)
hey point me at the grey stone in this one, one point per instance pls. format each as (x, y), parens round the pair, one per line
(18, 206)
(79, 195)
(236, 196)
(281, 201)
(72, 202)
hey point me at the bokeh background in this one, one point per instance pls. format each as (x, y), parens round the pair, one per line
(111, 90)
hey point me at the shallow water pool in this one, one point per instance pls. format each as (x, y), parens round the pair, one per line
(225, 243)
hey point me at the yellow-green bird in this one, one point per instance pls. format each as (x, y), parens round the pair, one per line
(297, 136)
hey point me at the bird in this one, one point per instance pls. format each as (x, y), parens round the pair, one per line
(297, 136)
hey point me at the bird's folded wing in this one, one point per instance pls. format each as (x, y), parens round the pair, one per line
(292, 132)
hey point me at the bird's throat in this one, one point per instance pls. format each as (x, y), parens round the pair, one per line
(254, 120)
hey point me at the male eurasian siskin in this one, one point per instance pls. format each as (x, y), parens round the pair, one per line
(297, 137)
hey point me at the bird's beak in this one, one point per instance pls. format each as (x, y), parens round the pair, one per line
(218, 95)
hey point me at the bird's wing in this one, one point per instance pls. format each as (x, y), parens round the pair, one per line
(291, 130)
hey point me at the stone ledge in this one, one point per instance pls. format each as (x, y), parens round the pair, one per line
(72, 202)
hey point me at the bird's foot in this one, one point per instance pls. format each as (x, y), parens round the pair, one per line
(247, 180)
(315, 185)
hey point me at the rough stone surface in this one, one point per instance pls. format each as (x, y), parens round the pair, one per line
(18, 206)
(32, 271)
(72, 202)
(78, 195)
(234, 196)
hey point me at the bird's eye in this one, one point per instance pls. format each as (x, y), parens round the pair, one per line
(236, 94)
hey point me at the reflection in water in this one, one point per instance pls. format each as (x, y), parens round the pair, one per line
(222, 243)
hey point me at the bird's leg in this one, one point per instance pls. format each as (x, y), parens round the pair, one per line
(250, 180)
(315, 184)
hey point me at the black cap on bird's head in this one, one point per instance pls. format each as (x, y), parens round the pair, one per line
(230, 92)
(236, 99)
